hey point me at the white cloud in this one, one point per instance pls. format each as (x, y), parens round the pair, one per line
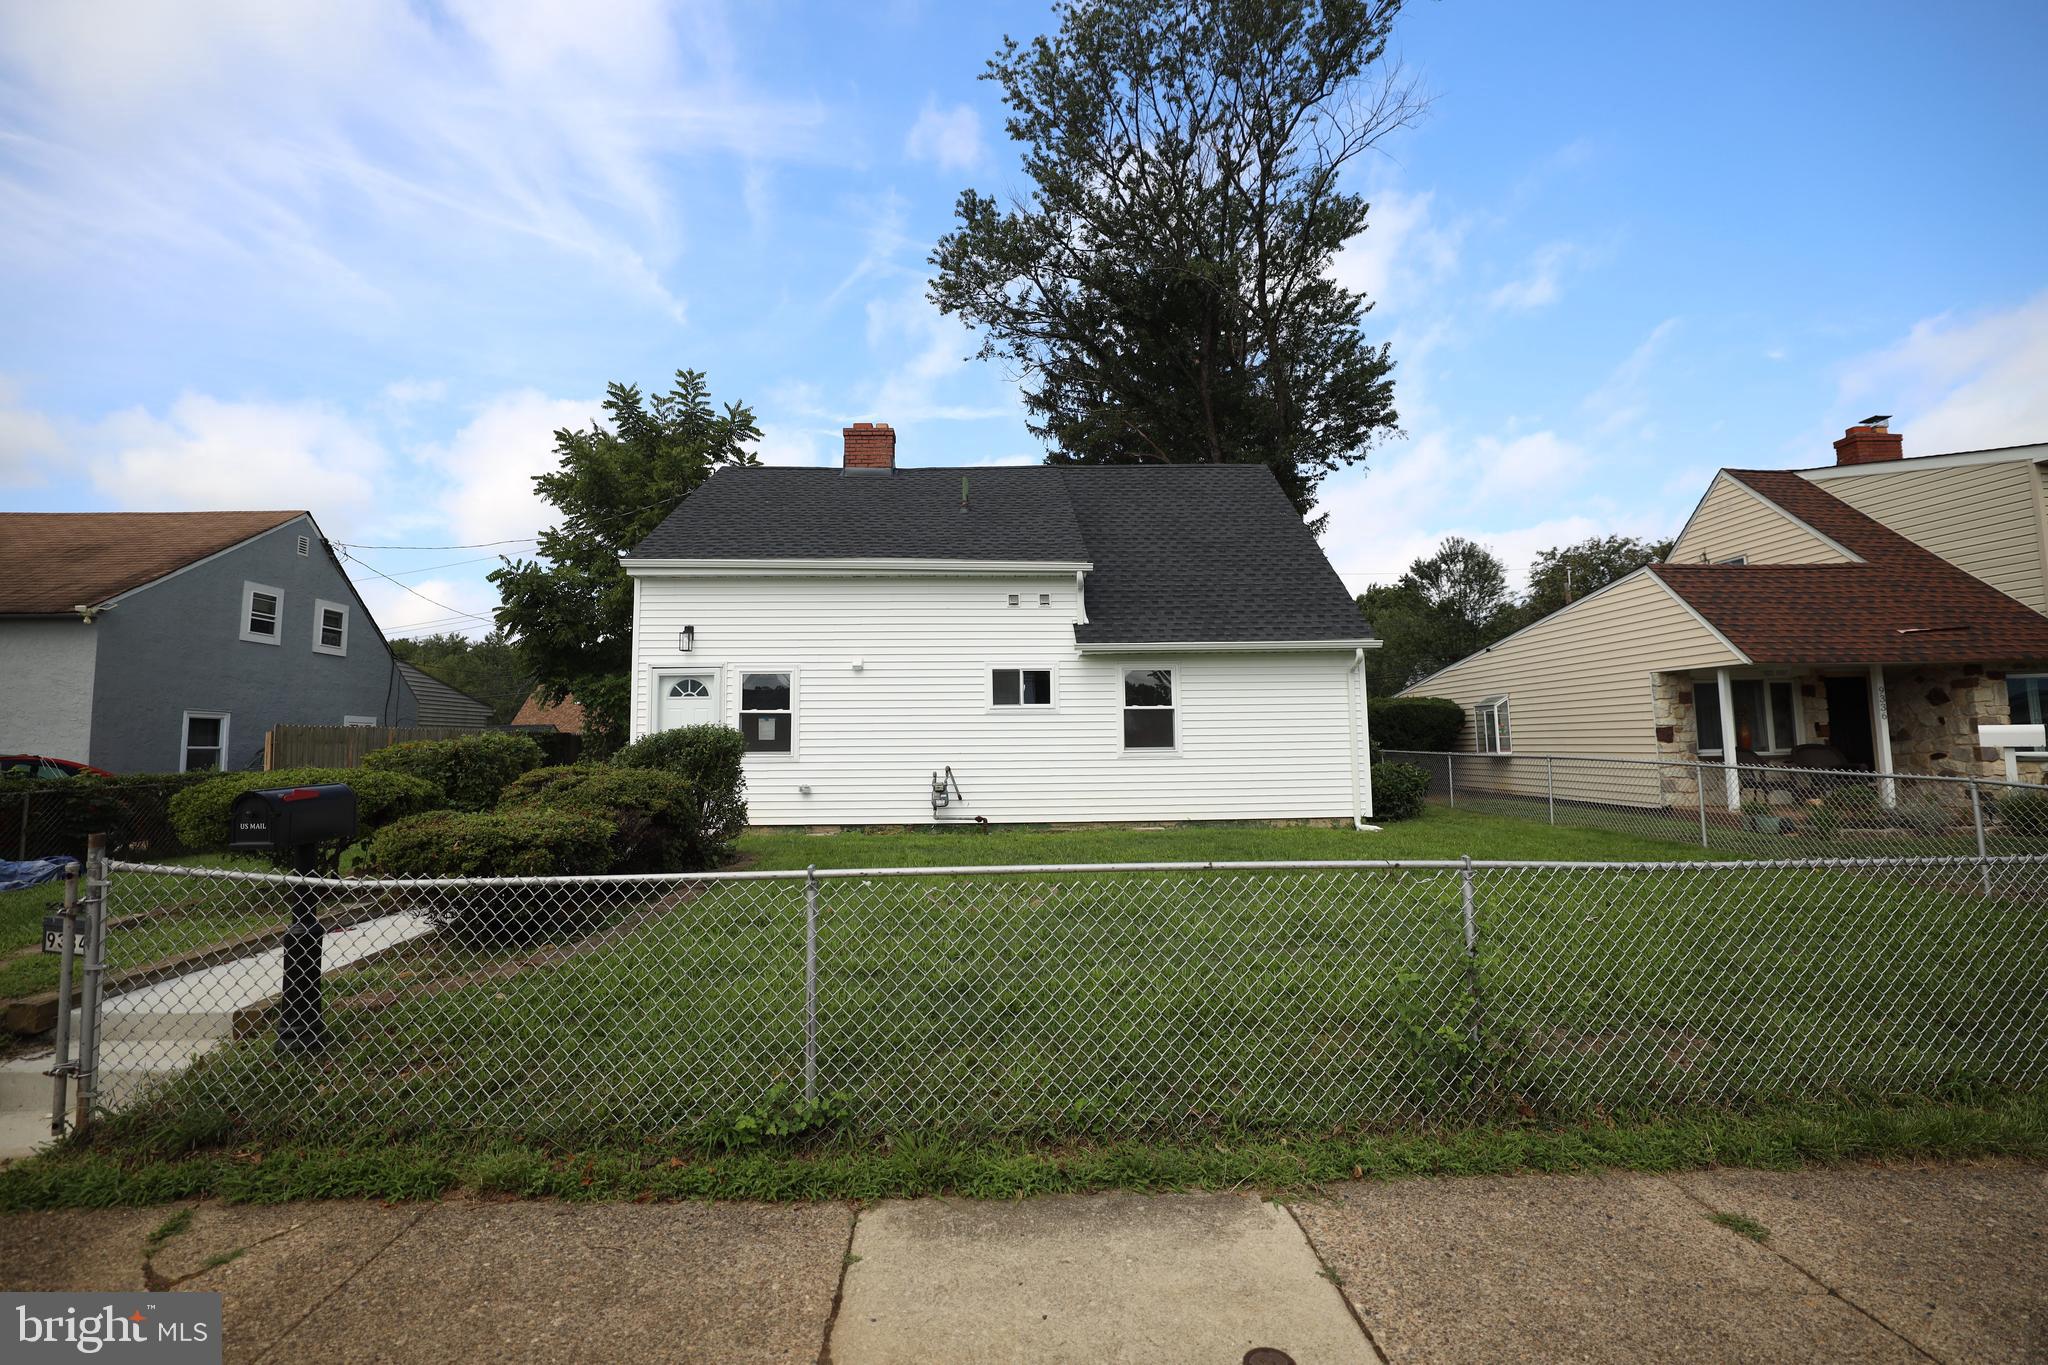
(1622, 396)
(949, 138)
(1402, 252)
(205, 452)
(1958, 383)
(28, 439)
(1541, 284)
(486, 469)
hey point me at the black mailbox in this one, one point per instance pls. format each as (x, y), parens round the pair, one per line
(278, 818)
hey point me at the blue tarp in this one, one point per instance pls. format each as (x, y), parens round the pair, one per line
(20, 876)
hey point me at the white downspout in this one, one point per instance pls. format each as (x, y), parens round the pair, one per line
(1360, 715)
(1733, 777)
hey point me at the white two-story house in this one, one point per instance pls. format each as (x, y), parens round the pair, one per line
(1010, 644)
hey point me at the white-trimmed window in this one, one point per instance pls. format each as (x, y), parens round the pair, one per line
(2028, 695)
(204, 742)
(330, 627)
(262, 613)
(1027, 688)
(768, 712)
(1766, 716)
(1734, 559)
(1149, 720)
(1490, 725)
(358, 720)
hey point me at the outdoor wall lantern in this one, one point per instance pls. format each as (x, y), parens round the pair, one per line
(687, 641)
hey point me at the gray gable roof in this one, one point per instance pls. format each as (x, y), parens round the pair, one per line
(440, 704)
(1188, 554)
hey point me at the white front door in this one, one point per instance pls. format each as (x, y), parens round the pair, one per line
(686, 699)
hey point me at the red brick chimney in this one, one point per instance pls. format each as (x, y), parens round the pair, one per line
(870, 445)
(1870, 441)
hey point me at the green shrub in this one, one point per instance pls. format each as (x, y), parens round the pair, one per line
(493, 843)
(1397, 791)
(199, 814)
(710, 758)
(1427, 723)
(500, 843)
(654, 812)
(470, 771)
(2024, 813)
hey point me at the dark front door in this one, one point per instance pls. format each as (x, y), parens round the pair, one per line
(1849, 721)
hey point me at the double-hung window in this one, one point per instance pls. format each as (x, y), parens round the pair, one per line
(330, 628)
(1021, 686)
(1148, 708)
(2028, 694)
(768, 712)
(205, 742)
(1490, 724)
(1764, 717)
(262, 613)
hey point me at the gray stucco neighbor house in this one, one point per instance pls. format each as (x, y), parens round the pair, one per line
(168, 641)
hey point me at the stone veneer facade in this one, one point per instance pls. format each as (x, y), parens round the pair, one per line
(1934, 712)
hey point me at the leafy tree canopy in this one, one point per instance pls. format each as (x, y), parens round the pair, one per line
(490, 669)
(1563, 575)
(1166, 291)
(572, 610)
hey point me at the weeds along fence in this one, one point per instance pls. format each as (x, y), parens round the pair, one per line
(1059, 1000)
(1754, 811)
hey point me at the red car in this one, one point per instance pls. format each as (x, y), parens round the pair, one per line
(35, 765)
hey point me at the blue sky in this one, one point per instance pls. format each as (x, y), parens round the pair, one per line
(363, 257)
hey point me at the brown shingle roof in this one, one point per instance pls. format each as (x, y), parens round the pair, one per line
(51, 562)
(1904, 604)
(565, 715)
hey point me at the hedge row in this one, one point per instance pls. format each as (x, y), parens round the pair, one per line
(471, 772)
(1430, 724)
(200, 814)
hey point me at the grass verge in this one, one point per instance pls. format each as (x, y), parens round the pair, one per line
(2009, 1125)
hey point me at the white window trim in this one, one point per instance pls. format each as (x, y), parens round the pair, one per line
(2028, 755)
(185, 738)
(1172, 670)
(1502, 708)
(1734, 559)
(739, 704)
(1770, 721)
(249, 591)
(664, 674)
(321, 606)
(989, 672)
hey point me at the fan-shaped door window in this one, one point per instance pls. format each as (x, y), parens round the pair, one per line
(687, 699)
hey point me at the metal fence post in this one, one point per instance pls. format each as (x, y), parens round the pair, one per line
(1471, 949)
(88, 1069)
(811, 982)
(62, 1069)
(22, 853)
(1451, 777)
(1699, 787)
(1550, 786)
(1977, 821)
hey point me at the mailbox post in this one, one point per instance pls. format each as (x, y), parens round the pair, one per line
(297, 820)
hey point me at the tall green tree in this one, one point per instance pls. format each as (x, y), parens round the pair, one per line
(490, 669)
(1445, 606)
(1562, 575)
(572, 609)
(1166, 289)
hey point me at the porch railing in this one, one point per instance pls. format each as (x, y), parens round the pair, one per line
(1776, 812)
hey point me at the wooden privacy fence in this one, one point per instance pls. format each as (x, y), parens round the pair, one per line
(342, 746)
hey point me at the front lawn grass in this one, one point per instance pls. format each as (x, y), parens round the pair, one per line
(1438, 833)
(1779, 1138)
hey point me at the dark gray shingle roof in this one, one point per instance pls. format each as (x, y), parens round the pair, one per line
(440, 704)
(1182, 553)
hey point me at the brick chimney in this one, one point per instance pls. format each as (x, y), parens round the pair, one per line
(870, 445)
(1870, 441)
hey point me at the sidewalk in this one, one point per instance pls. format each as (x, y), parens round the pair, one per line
(1880, 1264)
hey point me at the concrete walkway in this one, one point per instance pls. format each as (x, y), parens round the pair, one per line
(1945, 1263)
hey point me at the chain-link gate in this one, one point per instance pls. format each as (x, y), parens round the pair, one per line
(1062, 1000)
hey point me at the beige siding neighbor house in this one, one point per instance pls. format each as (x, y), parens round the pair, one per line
(1870, 615)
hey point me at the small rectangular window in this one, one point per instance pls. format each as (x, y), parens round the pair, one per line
(330, 628)
(767, 712)
(205, 741)
(1734, 559)
(262, 613)
(1490, 719)
(1045, 599)
(1148, 708)
(1022, 686)
(2026, 695)
(1013, 599)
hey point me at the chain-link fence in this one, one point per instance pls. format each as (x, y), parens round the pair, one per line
(1751, 811)
(53, 818)
(1052, 1001)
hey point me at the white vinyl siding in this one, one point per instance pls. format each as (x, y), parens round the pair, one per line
(1580, 679)
(1259, 736)
(1985, 519)
(1733, 522)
